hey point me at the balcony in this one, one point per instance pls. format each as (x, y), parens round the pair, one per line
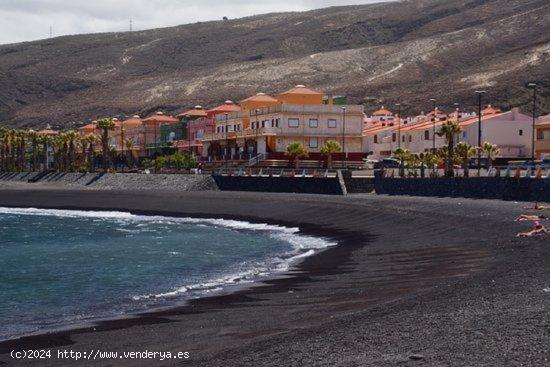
(314, 109)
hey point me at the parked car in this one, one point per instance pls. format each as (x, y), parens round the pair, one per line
(388, 163)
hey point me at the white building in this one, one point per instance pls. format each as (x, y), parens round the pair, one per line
(511, 131)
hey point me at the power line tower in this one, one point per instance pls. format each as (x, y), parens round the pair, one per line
(51, 31)
(131, 24)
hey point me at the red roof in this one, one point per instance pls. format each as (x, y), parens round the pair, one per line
(260, 97)
(160, 117)
(382, 112)
(227, 107)
(301, 89)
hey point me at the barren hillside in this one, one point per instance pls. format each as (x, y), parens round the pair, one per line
(405, 52)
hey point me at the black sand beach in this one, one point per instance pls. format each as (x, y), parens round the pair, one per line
(415, 281)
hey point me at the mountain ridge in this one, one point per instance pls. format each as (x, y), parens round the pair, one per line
(404, 52)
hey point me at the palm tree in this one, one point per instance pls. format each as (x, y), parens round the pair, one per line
(402, 155)
(449, 130)
(3, 147)
(296, 151)
(465, 151)
(129, 143)
(21, 145)
(45, 140)
(72, 140)
(90, 140)
(106, 125)
(329, 149)
(491, 151)
(33, 136)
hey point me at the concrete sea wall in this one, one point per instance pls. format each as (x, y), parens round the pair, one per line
(305, 185)
(114, 181)
(503, 188)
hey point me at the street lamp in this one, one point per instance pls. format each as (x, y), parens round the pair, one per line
(534, 86)
(398, 125)
(344, 135)
(433, 125)
(479, 93)
(226, 141)
(256, 130)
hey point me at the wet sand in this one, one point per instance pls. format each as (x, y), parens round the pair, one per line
(414, 281)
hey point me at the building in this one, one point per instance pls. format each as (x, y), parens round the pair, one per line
(152, 126)
(268, 125)
(542, 144)
(511, 131)
(184, 139)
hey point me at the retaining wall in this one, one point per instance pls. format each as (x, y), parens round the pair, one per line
(303, 185)
(125, 181)
(503, 188)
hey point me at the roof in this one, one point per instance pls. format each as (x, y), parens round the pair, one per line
(198, 111)
(48, 132)
(91, 126)
(301, 89)
(160, 117)
(260, 97)
(227, 106)
(134, 121)
(489, 110)
(382, 112)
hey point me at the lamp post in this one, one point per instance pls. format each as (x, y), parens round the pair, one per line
(534, 86)
(344, 135)
(398, 125)
(122, 142)
(189, 135)
(479, 93)
(226, 141)
(256, 130)
(433, 125)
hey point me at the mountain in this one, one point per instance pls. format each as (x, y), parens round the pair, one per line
(407, 52)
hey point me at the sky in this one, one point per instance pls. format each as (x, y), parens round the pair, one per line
(27, 20)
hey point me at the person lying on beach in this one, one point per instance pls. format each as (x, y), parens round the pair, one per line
(538, 207)
(538, 230)
(525, 217)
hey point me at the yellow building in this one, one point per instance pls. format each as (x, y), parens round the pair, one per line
(267, 125)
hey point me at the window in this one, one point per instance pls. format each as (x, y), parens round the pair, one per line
(313, 123)
(426, 134)
(313, 143)
(520, 132)
(375, 139)
(332, 123)
(263, 123)
(293, 123)
(410, 139)
(403, 139)
(393, 137)
(464, 134)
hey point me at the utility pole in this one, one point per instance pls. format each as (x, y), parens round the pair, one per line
(534, 86)
(398, 125)
(479, 93)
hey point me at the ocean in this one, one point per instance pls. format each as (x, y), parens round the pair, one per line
(60, 268)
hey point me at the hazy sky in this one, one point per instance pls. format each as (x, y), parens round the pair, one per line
(25, 20)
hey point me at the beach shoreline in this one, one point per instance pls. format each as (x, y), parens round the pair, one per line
(405, 268)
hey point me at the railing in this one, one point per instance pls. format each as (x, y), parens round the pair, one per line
(274, 172)
(255, 160)
(472, 172)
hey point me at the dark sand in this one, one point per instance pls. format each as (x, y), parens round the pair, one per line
(443, 279)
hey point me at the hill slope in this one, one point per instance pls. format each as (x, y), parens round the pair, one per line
(406, 51)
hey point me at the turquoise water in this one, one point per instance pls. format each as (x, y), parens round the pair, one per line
(59, 268)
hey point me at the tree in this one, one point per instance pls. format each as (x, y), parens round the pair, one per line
(129, 143)
(90, 140)
(296, 151)
(329, 149)
(45, 141)
(33, 136)
(465, 151)
(491, 151)
(449, 130)
(72, 140)
(402, 155)
(106, 125)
